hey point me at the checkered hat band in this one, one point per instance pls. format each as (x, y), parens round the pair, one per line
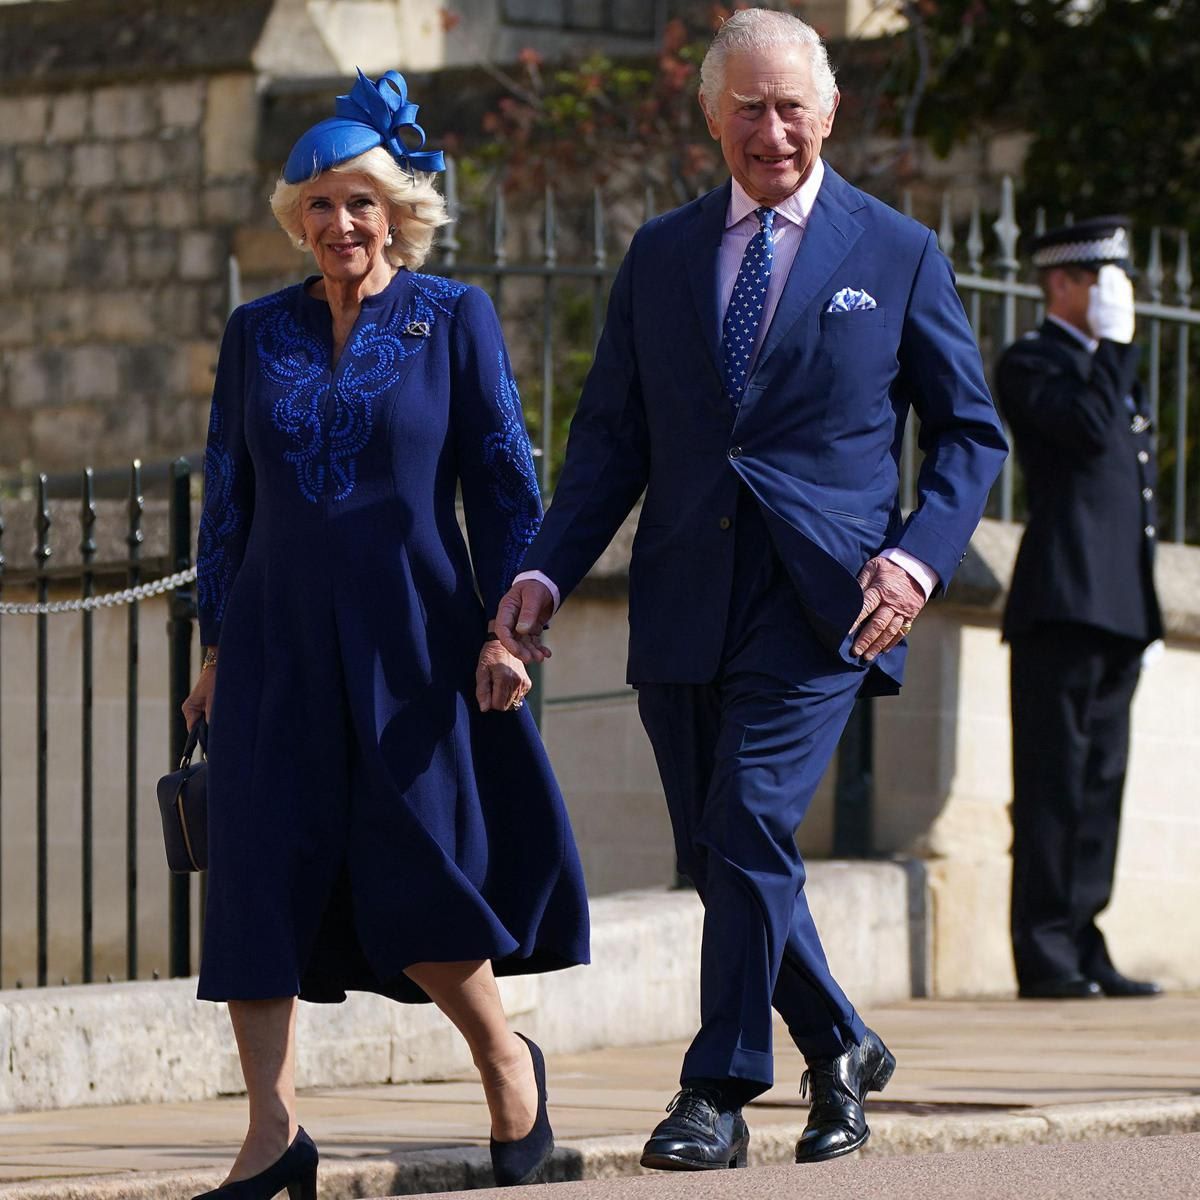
(1110, 249)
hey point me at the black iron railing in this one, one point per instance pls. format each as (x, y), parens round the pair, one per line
(35, 592)
(551, 325)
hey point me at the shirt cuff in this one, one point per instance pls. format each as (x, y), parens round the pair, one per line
(543, 579)
(927, 578)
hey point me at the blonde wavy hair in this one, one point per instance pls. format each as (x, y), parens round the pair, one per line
(417, 209)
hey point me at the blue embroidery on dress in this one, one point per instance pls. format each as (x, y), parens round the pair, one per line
(297, 363)
(438, 288)
(325, 448)
(514, 485)
(220, 524)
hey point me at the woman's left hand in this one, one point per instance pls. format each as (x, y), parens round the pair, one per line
(501, 681)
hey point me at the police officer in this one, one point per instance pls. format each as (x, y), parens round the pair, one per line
(1082, 606)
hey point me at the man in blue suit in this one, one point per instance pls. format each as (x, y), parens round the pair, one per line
(763, 348)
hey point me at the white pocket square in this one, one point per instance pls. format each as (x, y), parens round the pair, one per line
(850, 300)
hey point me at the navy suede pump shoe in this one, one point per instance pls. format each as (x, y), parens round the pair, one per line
(295, 1169)
(523, 1161)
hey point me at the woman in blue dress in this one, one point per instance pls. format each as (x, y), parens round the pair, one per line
(382, 814)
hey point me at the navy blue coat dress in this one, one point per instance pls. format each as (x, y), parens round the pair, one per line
(364, 814)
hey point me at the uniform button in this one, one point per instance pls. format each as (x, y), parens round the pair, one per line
(1149, 531)
(724, 522)
(1147, 493)
(735, 452)
(1143, 456)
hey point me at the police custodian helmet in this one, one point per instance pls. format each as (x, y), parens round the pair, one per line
(1091, 243)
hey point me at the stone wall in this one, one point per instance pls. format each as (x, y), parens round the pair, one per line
(120, 205)
(139, 142)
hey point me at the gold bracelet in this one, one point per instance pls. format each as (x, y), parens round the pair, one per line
(210, 659)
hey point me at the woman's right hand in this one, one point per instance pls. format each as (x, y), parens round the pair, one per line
(199, 701)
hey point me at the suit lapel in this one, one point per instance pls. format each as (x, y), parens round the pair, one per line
(828, 237)
(703, 249)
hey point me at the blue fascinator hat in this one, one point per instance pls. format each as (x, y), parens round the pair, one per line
(373, 114)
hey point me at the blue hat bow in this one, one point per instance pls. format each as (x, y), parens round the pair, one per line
(370, 115)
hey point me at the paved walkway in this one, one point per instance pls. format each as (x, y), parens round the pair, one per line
(971, 1075)
(1149, 1168)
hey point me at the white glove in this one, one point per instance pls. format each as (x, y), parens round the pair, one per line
(1110, 305)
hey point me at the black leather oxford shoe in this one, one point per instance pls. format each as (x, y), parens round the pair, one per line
(1113, 983)
(701, 1134)
(1066, 987)
(836, 1124)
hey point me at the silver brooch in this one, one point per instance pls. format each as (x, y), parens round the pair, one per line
(416, 329)
(1139, 424)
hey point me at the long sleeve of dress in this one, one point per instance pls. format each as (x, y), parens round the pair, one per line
(495, 461)
(228, 486)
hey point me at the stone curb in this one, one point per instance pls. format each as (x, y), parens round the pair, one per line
(152, 1042)
(467, 1168)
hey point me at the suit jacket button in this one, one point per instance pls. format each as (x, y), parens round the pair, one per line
(1147, 493)
(735, 452)
(1149, 531)
(1143, 457)
(724, 522)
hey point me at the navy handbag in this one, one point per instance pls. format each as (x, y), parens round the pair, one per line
(183, 803)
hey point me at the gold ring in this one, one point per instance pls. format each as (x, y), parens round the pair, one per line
(519, 704)
(906, 628)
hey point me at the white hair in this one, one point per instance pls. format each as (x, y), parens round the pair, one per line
(758, 29)
(417, 208)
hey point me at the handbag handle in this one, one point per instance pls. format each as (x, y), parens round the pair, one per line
(197, 735)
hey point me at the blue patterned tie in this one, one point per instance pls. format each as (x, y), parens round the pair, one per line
(744, 314)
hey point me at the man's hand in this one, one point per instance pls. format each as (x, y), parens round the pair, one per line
(523, 613)
(892, 598)
(1110, 305)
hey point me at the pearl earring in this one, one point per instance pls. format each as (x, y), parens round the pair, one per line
(303, 239)
(387, 241)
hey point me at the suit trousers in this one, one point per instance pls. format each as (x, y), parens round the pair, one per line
(1071, 688)
(740, 758)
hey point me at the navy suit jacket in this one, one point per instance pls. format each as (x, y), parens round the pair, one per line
(816, 438)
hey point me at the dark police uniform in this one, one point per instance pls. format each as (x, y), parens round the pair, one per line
(1081, 610)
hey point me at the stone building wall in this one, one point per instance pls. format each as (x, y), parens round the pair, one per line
(121, 206)
(139, 140)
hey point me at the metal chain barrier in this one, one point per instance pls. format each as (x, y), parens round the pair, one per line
(109, 600)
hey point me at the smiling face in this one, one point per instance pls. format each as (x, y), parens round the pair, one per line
(768, 120)
(345, 221)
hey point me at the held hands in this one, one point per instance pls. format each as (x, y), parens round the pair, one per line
(1110, 305)
(891, 599)
(523, 613)
(501, 681)
(199, 701)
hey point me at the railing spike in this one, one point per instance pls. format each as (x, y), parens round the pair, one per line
(87, 516)
(450, 243)
(233, 282)
(1183, 272)
(906, 202)
(499, 226)
(975, 239)
(1007, 229)
(1154, 266)
(598, 231)
(649, 205)
(946, 228)
(1039, 221)
(551, 229)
